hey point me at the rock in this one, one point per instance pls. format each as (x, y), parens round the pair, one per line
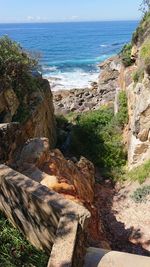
(11, 100)
(71, 178)
(35, 151)
(143, 135)
(139, 122)
(79, 176)
(10, 139)
(74, 107)
(33, 110)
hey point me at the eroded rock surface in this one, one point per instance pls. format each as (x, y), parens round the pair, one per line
(50, 168)
(32, 108)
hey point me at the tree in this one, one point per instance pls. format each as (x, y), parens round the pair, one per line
(145, 6)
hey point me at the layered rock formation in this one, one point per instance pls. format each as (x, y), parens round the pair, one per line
(32, 108)
(75, 180)
(136, 81)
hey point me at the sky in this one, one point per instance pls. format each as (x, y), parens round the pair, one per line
(68, 10)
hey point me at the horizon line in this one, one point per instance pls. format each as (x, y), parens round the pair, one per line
(69, 21)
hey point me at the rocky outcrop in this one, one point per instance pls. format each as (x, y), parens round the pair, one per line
(139, 122)
(75, 180)
(101, 92)
(32, 108)
(108, 79)
(10, 139)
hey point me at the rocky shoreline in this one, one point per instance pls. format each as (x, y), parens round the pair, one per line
(100, 93)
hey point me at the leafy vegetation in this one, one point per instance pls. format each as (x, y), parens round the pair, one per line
(122, 115)
(15, 250)
(17, 68)
(97, 135)
(145, 6)
(145, 55)
(138, 35)
(140, 173)
(138, 75)
(14, 61)
(141, 194)
(126, 55)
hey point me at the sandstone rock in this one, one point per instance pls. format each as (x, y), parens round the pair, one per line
(77, 178)
(139, 123)
(35, 151)
(143, 135)
(34, 110)
(10, 139)
(74, 107)
(11, 100)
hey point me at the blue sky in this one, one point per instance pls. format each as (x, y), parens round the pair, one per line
(68, 10)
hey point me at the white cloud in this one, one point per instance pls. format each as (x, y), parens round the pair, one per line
(74, 17)
(30, 18)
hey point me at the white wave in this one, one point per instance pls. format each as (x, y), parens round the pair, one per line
(71, 80)
(49, 69)
(104, 45)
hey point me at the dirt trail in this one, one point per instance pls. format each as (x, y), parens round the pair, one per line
(125, 224)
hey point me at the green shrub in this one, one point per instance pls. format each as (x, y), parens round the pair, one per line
(141, 194)
(126, 55)
(122, 115)
(140, 173)
(17, 68)
(138, 75)
(145, 54)
(97, 136)
(15, 250)
(14, 61)
(138, 35)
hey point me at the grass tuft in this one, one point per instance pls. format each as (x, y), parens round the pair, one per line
(15, 250)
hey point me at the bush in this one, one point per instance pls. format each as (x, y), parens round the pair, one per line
(122, 115)
(138, 35)
(14, 61)
(141, 194)
(138, 75)
(17, 71)
(126, 55)
(97, 136)
(145, 54)
(15, 250)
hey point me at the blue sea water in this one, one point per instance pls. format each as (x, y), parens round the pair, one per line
(70, 52)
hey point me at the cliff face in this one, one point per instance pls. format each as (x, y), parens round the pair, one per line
(32, 109)
(131, 73)
(136, 81)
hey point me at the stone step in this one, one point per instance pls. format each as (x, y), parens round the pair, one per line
(96, 257)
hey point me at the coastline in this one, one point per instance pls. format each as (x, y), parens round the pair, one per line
(101, 92)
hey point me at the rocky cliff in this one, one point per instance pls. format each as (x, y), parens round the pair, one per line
(130, 72)
(26, 102)
(135, 79)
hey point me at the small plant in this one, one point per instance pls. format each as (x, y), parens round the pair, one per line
(122, 115)
(135, 76)
(15, 250)
(126, 55)
(138, 75)
(145, 55)
(140, 173)
(141, 194)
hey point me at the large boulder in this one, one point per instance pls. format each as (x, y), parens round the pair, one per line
(50, 168)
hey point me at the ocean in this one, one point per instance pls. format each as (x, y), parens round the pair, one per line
(70, 52)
